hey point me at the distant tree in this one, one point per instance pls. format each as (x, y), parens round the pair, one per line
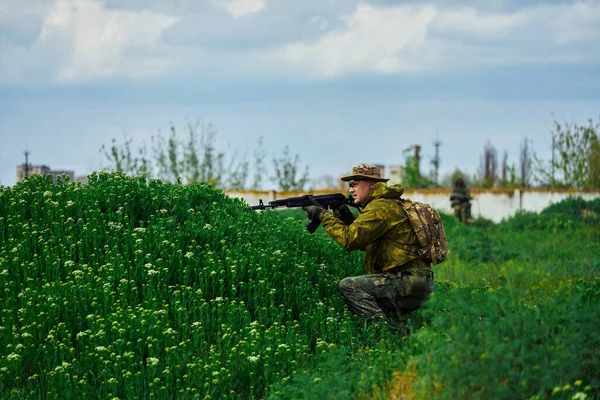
(488, 168)
(173, 159)
(504, 170)
(259, 164)
(160, 157)
(411, 174)
(196, 159)
(287, 170)
(212, 168)
(575, 162)
(525, 165)
(190, 155)
(237, 171)
(121, 159)
(176, 164)
(325, 181)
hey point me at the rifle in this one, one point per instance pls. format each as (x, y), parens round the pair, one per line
(325, 200)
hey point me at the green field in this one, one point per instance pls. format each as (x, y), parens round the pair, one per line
(126, 289)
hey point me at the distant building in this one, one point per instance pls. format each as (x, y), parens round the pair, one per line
(395, 174)
(22, 172)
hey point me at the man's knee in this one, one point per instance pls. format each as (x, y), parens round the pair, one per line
(346, 286)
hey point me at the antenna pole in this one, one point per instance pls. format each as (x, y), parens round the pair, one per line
(26, 152)
(436, 160)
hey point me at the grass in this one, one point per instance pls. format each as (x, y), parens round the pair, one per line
(124, 288)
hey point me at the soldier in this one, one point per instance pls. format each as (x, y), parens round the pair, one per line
(397, 281)
(460, 200)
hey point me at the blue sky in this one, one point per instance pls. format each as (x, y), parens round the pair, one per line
(340, 82)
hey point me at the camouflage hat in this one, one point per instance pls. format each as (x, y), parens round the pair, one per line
(365, 171)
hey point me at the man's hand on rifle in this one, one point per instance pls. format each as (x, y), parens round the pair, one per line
(343, 212)
(314, 212)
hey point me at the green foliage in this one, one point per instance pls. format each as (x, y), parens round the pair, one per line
(333, 377)
(576, 157)
(121, 159)
(495, 343)
(472, 243)
(411, 175)
(190, 160)
(287, 172)
(135, 288)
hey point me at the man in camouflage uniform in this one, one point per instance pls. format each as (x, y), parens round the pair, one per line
(397, 281)
(460, 200)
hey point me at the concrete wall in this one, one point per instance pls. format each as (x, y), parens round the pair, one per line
(493, 204)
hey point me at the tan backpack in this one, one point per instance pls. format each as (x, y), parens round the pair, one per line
(428, 226)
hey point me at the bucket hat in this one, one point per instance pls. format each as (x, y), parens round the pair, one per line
(365, 171)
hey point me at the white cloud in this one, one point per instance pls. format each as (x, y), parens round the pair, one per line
(373, 41)
(240, 8)
(429, 37)
(83, 40)
(75, 40)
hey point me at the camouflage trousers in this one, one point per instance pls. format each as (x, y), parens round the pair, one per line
(383, 295)
(462, 212)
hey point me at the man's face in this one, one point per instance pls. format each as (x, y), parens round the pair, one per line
(360, 190)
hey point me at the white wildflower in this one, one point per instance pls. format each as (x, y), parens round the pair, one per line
(152, 361)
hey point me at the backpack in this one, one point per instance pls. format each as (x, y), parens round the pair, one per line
(427, 225)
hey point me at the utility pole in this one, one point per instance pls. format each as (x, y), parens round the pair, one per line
(552, 164)
(26, 152)
(436, 161)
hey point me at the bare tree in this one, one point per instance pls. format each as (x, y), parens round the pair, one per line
(324, 181)
(488, 168)
(525, 164)
(504, 169)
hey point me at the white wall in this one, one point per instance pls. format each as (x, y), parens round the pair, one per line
(493, 204)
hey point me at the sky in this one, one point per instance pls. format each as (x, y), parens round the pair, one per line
(337, 82)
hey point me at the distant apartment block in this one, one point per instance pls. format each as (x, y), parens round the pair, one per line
(395, 175)
(22, 172)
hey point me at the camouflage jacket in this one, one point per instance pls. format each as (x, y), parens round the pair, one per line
(460, 196)
(382, 229)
